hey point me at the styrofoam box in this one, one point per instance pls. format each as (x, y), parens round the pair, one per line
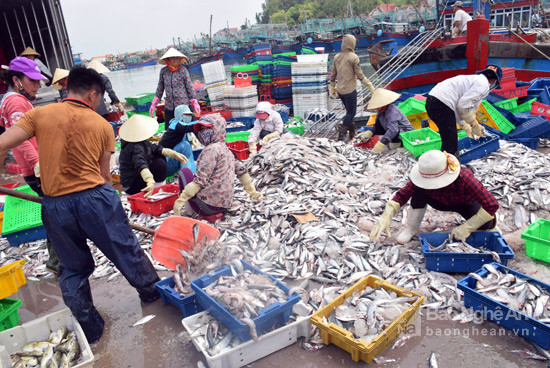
(312, 58)
(251, 351)
(15, 338)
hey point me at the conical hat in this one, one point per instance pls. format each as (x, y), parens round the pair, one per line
(98, 67)
(59, 74)
(382, 97)
(172, 52)
(138, 128)
(29, 51)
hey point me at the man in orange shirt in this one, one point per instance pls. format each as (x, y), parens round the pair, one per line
(78, 201)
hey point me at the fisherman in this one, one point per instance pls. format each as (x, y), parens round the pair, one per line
(142, 163)
(267, 126)
(102, 108)
(347, 70)
(175, 81)
(438, 180)
(456, 100)
(461, 19)
(59, 81)
(176, 138)
(209, 193)
(29, 53)
(390, 120)
(79, 201)
(23, 78)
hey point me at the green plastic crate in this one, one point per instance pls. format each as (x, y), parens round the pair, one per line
(412, 106)
(294, 119)
(161, 128)
(526, 106)
(244, 68)
(408, 139)
(117, 145)
(508, 104)
(461, 134)
(9, 317)
(144, 113)
(299, 129)
(537, 242)
(503, 124)
(140, 99)
(20, 214)
(237, 136)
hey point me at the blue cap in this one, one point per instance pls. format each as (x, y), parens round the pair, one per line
(492, 71)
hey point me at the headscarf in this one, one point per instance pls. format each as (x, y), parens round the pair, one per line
(173, 66)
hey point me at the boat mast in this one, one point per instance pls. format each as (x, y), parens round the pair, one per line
(210, 37)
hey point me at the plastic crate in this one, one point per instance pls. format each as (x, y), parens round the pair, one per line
(144, 113)
(237, 136)
(370, 143)
(196, 154)
(138, 203)
(524, 107)
(418, 149)
(248, 122)
(222, 110)
(9, 317)
(13, 168)
(114, 115)
(267, 318)
(499, 120)
(21, 214)
(508, 104)
(26, 236)
(534, 127)
(240, 149)
(11, 278)
(361, 350)
(416, 119)
(142, 107)
(140, 99)
(187, 305)
(299, 129)
(472, 149)
(519, 323)
(39, 329)
(162, 128)
(537, 240)
(464, 262)
(512, 92)
(538, 108)
(532, 143)
(412, 106)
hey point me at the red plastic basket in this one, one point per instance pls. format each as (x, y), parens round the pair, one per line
(369, 143)
(13, 168)
(160, 110)
(240, 149)
(114, 116)
(268, 99)
(223, 111)
(512, 92)
(538, 108)
(10, 185)
(140, 204)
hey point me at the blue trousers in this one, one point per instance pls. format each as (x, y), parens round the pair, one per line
(174, 165)
(94, 214)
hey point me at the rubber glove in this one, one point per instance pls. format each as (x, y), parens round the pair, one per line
(478, 130)
(468, 129)
(455, 32)
(469, 118)
(246, 181)
(333, 91)
(154, 104)
(147, 177)
(196, 106)
(37, 170)
(252, 148)
(475, 222)
(166, 152)
(187, 193)
(270, 136)
(368, 84)
(378, 148)
(364, 135)
(385, 220)
(120, 107)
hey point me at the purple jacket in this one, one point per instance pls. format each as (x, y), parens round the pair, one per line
(177, 85)
(391, 122)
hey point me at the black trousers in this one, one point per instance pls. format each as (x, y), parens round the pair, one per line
(350, 103)
(158, 168)
(421, 198)
(444, 117)
(168, 115)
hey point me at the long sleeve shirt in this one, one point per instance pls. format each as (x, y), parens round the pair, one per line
(177, 86)
(134, 157)
(390, 123)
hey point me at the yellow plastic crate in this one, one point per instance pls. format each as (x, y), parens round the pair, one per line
(361, 350)
(483, 117)
(11, 278)
(372, 120)
(416, 119)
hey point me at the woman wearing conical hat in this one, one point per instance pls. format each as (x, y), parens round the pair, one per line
(29, 53)
(175, 82)
(59, 81)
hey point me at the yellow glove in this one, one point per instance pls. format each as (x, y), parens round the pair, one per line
(147, 177)
(120, 107)
(270, 136)
(173, 154)
(378, 148)
(333, 91)
(475, 222)
(364, 135)
(385, 220)
(468, 129)
(252, 148)
(455, 32)
(478, 130)
(188, 192)
(246, 181)
(37, 170)
(368, 84)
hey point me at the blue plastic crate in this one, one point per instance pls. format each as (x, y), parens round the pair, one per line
(511, 117)
(529, 142)
(493, 97)
(187, 305)
(267, 318)
(495, 132)
(477, 148)
(25, 236)
(142, 107)
(404, 96)
(196, 153)
(247, 120)
(537, 126)
(464, 262)
(284, 116)
(519, 323)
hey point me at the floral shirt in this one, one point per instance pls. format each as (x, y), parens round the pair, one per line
(177, 85)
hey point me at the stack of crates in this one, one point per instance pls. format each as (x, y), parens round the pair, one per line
(11, 278)
(252, 70)
(282, 82)
(309, 86)
(241, 101)
(141, 103)
(22, 221)
(215, 80)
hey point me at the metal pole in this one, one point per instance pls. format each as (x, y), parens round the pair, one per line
(9, 32)
(50, 32)
(57, 26)
(19, 26)
(66, 42)
(28, 27)
(40, 35)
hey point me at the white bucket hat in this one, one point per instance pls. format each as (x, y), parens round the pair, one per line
(138, 128)
(172, 52)
(59, 75)
(382, 97)
(434, 170)
(98, 67)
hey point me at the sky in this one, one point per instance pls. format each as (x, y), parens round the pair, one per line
(101, 27)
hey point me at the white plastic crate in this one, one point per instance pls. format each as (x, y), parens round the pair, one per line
(214, 72)
(312, 58)
(251, 351)
(236, 113)
(15, 338)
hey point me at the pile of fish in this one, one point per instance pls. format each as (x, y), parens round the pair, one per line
(517, 293)
(160, 195)
(60, 351)
(235, 124)
(369, 312)
(419, 141)
(462, 247)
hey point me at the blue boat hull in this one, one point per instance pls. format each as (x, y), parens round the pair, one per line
(150, 62)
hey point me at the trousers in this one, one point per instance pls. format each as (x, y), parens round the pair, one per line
(444, 117)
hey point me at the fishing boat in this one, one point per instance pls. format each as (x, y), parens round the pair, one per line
(140, 64)
(196, 62)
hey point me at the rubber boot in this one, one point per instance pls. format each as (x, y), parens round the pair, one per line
(413, 225)
(351, 131)
(395, 145)
(341, 132)
(51, 264)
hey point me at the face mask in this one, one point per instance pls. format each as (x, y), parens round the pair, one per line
(205, 136)
(186, 118)
(25, 93)
(173, 66)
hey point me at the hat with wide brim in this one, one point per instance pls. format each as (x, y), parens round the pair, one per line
(459, 4)
(29, 52)
(382, 97)
(172, 52)
(138, 128)
(435, 170)
(59, 75)
(98, 67)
